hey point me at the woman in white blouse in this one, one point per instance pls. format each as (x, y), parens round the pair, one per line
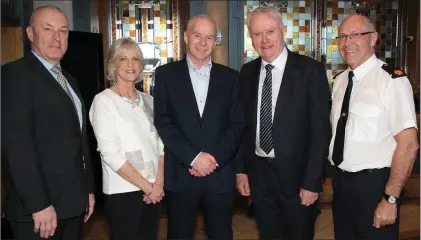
(131, 151)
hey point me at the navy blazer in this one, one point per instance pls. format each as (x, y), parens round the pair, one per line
(185, 134)
(46, 152)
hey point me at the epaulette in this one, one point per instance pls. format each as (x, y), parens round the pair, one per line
(337, 74)
(393, 71)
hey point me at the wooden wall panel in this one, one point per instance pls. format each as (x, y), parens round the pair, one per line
(100, 22)
(218, 10)
(11, 44)
(412, 47)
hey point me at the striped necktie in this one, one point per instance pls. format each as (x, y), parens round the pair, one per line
(265, 134)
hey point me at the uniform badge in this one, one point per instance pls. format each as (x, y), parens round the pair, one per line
(393, 71)
(398, 72)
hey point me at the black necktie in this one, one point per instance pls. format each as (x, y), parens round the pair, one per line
(265, 134)
(338, 147)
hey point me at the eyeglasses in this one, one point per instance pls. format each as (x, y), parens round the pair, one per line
(343, 37)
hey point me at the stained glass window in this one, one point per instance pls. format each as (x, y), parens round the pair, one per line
(154, 25)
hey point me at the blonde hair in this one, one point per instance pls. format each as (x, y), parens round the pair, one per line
(264, 10)
(116, 49)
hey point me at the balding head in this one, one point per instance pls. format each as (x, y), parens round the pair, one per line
(40, 10)
(200, 38)
(48, 33)
(359, 19)
(200, 19)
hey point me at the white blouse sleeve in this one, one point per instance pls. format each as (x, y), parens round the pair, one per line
(104, 125)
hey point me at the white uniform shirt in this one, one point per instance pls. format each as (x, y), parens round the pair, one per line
(121, 129)
(380, 107)
(277, 74)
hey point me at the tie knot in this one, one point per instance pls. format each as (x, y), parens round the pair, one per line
(56, 69)
(269, 67)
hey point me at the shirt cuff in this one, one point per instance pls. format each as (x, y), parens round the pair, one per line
(114, 160)
(194, 160)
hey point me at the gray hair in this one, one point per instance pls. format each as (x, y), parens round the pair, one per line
(31, 20)
(115, 50)
(264, 10)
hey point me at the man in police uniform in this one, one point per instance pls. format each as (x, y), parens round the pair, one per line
(374, 141)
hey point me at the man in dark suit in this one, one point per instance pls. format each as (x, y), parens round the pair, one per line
(285, 147)
(201, 121)
(44, 141)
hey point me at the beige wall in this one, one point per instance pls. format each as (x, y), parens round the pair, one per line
(218, 10)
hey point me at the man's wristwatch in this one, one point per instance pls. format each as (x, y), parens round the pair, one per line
(390, 199)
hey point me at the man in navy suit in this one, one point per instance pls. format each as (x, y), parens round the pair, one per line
(200, 119)
(45, 144)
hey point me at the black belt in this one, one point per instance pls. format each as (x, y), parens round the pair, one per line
(364, 171)
(269, 160)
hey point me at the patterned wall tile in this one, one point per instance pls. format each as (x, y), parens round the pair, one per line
(157, 25)
(296, 18)
(385, 17)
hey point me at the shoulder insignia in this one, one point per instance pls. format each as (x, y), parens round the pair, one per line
(393, 71)
(338, 74)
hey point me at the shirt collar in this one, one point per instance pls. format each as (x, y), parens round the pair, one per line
(46, 64)
(363, 69)
(279, 62)
(205, 69)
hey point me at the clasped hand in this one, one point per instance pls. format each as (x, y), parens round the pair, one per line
(155, 194)
(204, 165)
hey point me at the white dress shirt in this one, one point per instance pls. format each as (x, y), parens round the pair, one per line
(380, 107)
(76, 99)
(277, 74)
(121, 130)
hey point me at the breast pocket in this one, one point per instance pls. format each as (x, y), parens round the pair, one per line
(364, 122)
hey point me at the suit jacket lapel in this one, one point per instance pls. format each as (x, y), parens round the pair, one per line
(254, 91)
(186, 84)
(211, 98)
(43, 74)
(291, 73)
(73, 84)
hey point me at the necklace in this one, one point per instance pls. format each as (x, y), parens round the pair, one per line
(133, 102)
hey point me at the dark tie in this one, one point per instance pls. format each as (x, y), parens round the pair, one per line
(338, 147)
(266, 141)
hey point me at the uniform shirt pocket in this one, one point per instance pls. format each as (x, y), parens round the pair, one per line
(363, 122)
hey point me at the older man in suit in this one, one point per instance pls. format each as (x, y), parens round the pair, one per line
(200, 119)
(44, 139)
(285, 148)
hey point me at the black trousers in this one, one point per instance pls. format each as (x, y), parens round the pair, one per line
(67, 229)
(355, 199)
(182, 209)
(279, 217)
(130, 218)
